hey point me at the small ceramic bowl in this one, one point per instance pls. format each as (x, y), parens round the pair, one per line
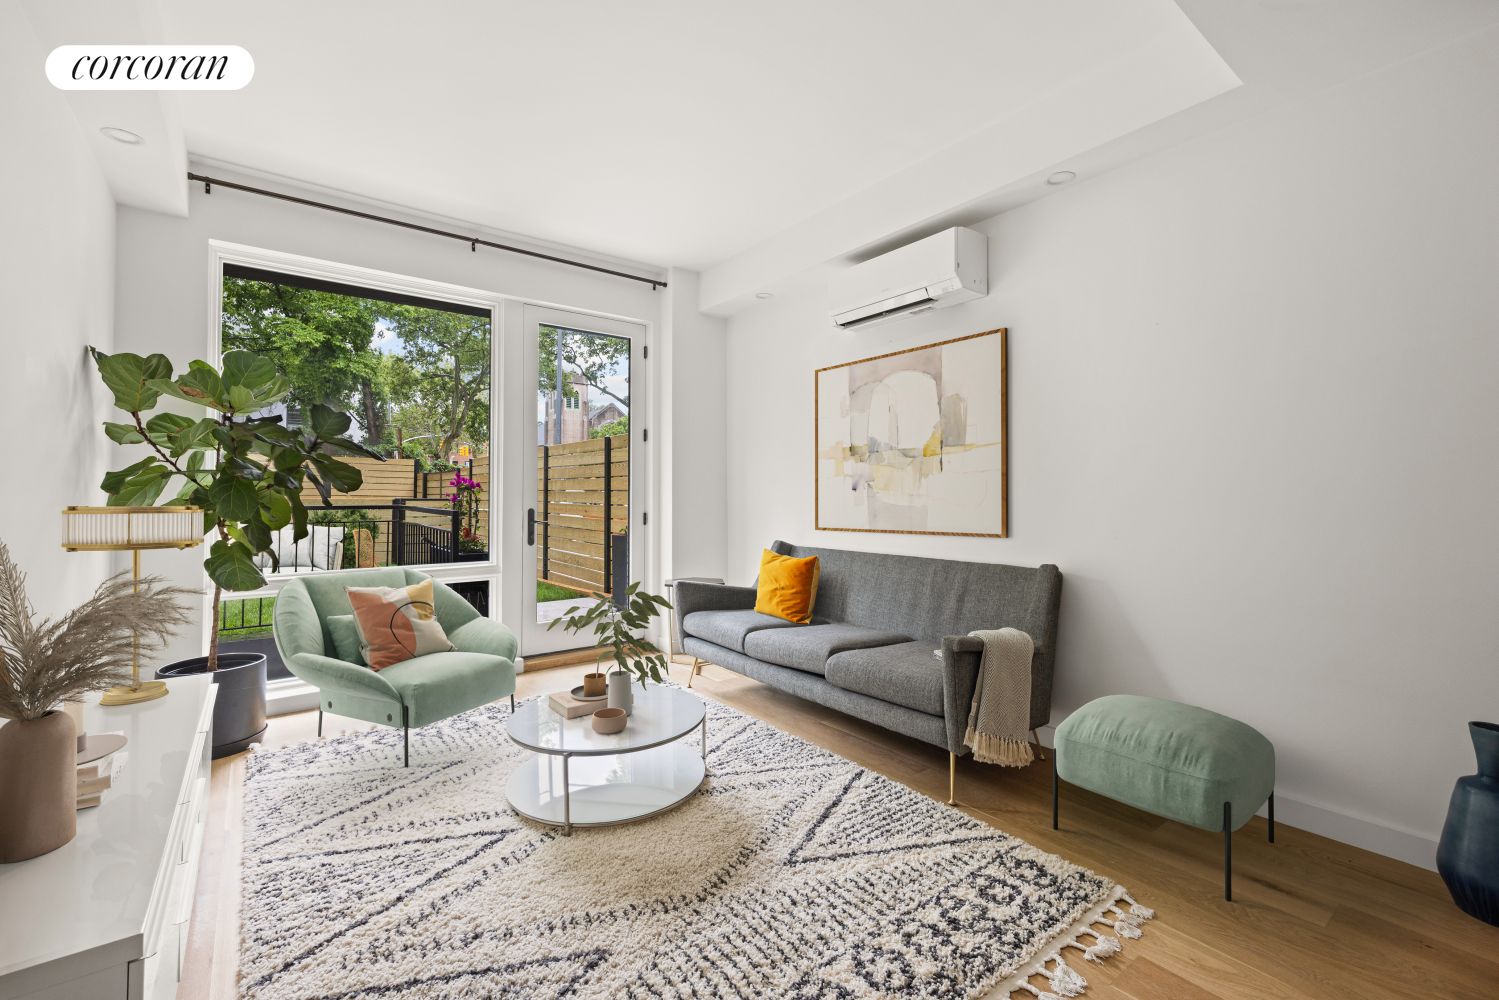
(609, 720)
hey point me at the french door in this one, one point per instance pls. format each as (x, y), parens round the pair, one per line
(580, 501)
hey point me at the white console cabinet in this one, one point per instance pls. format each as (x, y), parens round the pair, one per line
(106, 916)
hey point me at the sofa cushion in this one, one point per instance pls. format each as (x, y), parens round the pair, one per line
(809, 648)
(903, 674)
(728, 628)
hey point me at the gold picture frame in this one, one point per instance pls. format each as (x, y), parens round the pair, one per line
(907, 481)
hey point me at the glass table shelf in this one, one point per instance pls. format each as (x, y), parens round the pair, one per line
(583, 778)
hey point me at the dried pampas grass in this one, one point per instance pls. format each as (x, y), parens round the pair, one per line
(89, 648)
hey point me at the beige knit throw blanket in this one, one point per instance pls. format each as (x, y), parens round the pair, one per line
(1000, 717)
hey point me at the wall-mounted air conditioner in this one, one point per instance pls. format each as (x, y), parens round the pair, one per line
(939, 271)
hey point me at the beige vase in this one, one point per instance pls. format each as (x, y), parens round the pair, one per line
(38, 786)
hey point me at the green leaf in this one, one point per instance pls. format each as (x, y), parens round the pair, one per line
(327, 422)
(163, 425)
(320, 486)
(231, 567)
(195, 461)
(128, 375)
(189, 392)
(123, 433)
(298, 517)
(234, 498)
(141, 489)
(113, 481)
(273, 390)
(275, 508)
(258, 533)
(355, 447)
(241, 400)
(194, 436)
(204, 379)
(344, 477)
(242, 368)
(244, 468)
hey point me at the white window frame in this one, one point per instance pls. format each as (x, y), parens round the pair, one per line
(505, 597)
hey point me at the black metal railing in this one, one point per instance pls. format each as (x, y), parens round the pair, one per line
(397, 540)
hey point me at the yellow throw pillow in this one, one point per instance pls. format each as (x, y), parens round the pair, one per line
(788, 587)
(396, 623)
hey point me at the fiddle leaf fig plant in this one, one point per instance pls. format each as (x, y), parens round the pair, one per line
(246, 472)
(615, 627)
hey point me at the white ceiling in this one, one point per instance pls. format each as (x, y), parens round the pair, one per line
(764, 144)
(672, 132)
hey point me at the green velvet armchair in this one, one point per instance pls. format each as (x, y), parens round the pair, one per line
(412, 693)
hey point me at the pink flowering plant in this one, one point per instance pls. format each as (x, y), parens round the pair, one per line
(465, 497)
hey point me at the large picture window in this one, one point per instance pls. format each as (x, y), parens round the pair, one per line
(415, 375)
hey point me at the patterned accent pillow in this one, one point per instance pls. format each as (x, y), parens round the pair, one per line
(396, 623)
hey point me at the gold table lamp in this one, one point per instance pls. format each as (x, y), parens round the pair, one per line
(121, 529)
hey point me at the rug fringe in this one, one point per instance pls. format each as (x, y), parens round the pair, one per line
(1063, 980)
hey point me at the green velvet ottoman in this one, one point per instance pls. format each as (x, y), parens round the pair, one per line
(1188, 764)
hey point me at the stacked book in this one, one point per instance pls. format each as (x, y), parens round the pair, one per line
(565, 705)
(96, 777)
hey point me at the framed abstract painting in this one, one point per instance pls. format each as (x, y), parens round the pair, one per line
(916, 442)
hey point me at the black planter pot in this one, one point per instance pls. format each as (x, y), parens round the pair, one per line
(1468, 855)
(472, 557)
(239, 710)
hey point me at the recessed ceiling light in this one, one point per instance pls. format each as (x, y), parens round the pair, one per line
(765, 295)
(1060, 177)
(120, 135)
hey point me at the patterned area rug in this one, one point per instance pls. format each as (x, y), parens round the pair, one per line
(793, 873)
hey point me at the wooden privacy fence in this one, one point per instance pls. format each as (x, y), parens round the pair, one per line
(575, 485)
(400, 477)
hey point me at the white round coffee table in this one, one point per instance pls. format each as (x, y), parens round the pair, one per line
(582, 778)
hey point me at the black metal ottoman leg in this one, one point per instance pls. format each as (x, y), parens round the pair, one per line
(1228, 853)
(406, 735)
(1054, 790)
(1272, 817)
(320, 724)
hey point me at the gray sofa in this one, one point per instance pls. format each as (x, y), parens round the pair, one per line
(877, 621)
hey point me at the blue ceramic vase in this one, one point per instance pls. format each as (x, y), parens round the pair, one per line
(1468, 856)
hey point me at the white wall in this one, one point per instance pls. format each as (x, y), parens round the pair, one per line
(163, 298)
(57, 282)
(694, 436)
(1255, 420)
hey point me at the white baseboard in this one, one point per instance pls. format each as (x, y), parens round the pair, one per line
(286, 695)
(1355, 831)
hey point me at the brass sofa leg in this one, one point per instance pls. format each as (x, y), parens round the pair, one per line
(693, 671)
(1039, 752)
(952, 779)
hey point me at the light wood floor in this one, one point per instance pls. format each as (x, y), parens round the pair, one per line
(1310, 917)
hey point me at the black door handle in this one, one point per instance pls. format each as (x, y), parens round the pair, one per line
(531, 524)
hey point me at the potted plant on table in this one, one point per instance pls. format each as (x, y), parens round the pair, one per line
(635, 658)
(91, 648)
(246, 472)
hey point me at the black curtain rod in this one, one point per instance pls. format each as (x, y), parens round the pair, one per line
(472, 241)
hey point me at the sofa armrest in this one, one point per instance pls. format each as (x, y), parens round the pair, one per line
(691, 596)
(485, 635)
(339, 677)
(961, 656)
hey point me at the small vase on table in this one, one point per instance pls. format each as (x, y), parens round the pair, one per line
(620, 695)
